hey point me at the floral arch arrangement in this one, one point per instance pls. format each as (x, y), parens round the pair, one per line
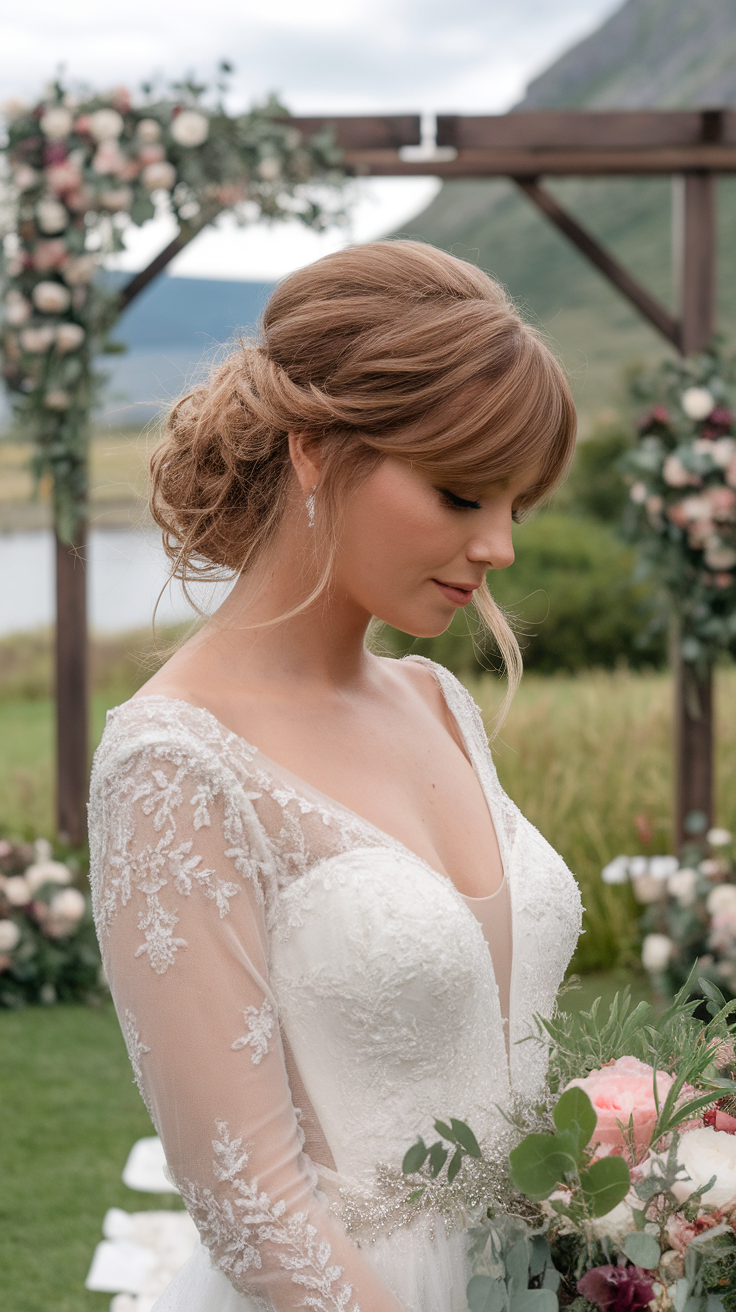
(79, 169)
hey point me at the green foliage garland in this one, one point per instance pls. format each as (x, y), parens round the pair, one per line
(79, 170)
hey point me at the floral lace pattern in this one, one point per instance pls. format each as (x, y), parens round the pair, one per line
(136, 1051)
(259, 1022)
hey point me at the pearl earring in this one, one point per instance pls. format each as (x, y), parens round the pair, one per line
(310, 507)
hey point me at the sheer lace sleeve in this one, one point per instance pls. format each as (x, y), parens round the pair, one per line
(179, 861)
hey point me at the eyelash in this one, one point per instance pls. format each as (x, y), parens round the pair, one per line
(458, 503)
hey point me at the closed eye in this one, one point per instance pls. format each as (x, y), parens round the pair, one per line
(459, 503)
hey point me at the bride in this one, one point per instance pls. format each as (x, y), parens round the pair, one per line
(323, 922)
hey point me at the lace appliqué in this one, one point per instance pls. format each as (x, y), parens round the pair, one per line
(235, 1227)
(137, 1049)
(260, 1023)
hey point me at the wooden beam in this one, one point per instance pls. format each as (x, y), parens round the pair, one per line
(570, 130)
(559, 162)
(693, 753)
(694, 200)
(657, 314)
(72, 717)
(365, 132)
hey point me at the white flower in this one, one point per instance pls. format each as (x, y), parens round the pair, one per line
(42, 850)
(697, 402)
(718, 556)
(9, 935)
(269, 169)
(161, 175)
(80, 270)
(51, 297)
(116, 199)
(638, 493)
(682, 885)
(661, 867)
(52, 216)
(148, 130)
(617, 1224)
(13, 108)
(638, 866)
(17, 891)
(69, 337)
(105, 124)
(617, 871)
(47, 872)
(57, 399)
(674, 472)
(724, 449)
(68, 905)
(656, 952)
(721, 900)
(718, 837)
(25, 177)
(646, 888)
(190, 128)
(37, 340)
(56, 123)
(17, 309)
(702, 1154)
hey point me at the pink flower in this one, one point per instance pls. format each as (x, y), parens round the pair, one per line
(722, 502)
(64, 177)
(681, 1232)
(50, 254)
(731, 472)
(623, 1092)
(617, 1288)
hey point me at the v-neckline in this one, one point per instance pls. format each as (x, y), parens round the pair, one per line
(334, 804)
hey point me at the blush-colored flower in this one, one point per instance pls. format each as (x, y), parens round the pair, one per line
(17, 891)
(69, 337)
(719, 837)
(51, 297)
(681, 1232)
(56, 123)
(682, 885)
(63, 177)
(656, 953)
(159, 176)
(724, 450)
(623, 1093)
(148, 130)
(721, 900)
(47, 872)
(25, 177)
(57, 399)
(116, 199)
(722, 502)
(702, 1154)
(151, 154)
(105, 125)
(51, 254)
(37, 340)
(17, 309)
(698, 403)
(9, 935)
(80, 270)
(675, 474)
(109, 159)
(190, 128)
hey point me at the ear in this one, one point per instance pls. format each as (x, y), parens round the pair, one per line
(303, 451)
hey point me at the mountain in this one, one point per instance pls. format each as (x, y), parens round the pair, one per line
(655, 53)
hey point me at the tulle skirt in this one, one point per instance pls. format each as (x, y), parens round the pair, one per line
(424, 1267)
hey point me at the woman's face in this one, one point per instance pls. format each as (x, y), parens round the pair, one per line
(412, 552)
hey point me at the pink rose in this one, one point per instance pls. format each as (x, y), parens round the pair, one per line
(681, 1232)
(623, 1092)
(722, 502)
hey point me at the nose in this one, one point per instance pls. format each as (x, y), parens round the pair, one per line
(493, 547)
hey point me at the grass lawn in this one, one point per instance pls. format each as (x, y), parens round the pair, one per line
(70, 1114)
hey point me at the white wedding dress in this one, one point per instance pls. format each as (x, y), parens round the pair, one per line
(301, 996)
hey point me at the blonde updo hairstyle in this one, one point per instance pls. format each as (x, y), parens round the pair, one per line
(391, 348)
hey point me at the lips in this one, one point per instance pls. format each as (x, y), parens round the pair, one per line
(458, 593)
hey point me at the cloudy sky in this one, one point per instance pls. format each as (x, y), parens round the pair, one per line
(339, 56)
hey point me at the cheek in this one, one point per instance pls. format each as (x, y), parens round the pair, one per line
(388, 530)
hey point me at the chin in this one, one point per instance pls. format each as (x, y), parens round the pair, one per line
(419, 627)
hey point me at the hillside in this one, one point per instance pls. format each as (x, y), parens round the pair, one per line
(651, 52)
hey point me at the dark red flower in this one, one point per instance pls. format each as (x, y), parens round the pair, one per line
(617, 1288)
(718, 1118)
(54, 153)
(654, 420)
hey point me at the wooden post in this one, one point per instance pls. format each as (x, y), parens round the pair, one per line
(694, 251)
(72, 714)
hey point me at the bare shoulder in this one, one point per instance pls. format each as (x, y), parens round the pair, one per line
(417, 678)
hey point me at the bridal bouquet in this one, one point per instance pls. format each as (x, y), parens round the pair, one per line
(622, 1194)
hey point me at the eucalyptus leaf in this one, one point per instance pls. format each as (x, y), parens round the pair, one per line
(535, 1300)
(455, 1163)
(437, 1159)
(642, 1249)
(442, 1128)
(605, 1184)
(464, 1135)
(415, 1158)
(575, 1115)
(538, 1165)
(484, 1294)
(539, 1255)
(517, 1266)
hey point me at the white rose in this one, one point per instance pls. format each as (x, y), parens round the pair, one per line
(702, 1154)
(269, 169)
(9, 935)
(57, 399)
(656, 952)
(724, 449)
(697, 402)
(80, 270)
(161, 175)
(105, 125)
(682, 885)
(148, 130)
(52, 216)
(638, 866)
(617, 871)
(617, 1224)
(68, 905)
(25, 177)
(674, 472)
(37, 340)
(56, 123)
(51, 297)
(638, 493)
(69, 337)
(47, 872)
(661, 867)
(718, 837)
(721, 900)
(719, 556)
(17, 891)
(190, 128)
(17, 309)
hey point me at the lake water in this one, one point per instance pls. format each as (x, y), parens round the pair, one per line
(126, 571)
